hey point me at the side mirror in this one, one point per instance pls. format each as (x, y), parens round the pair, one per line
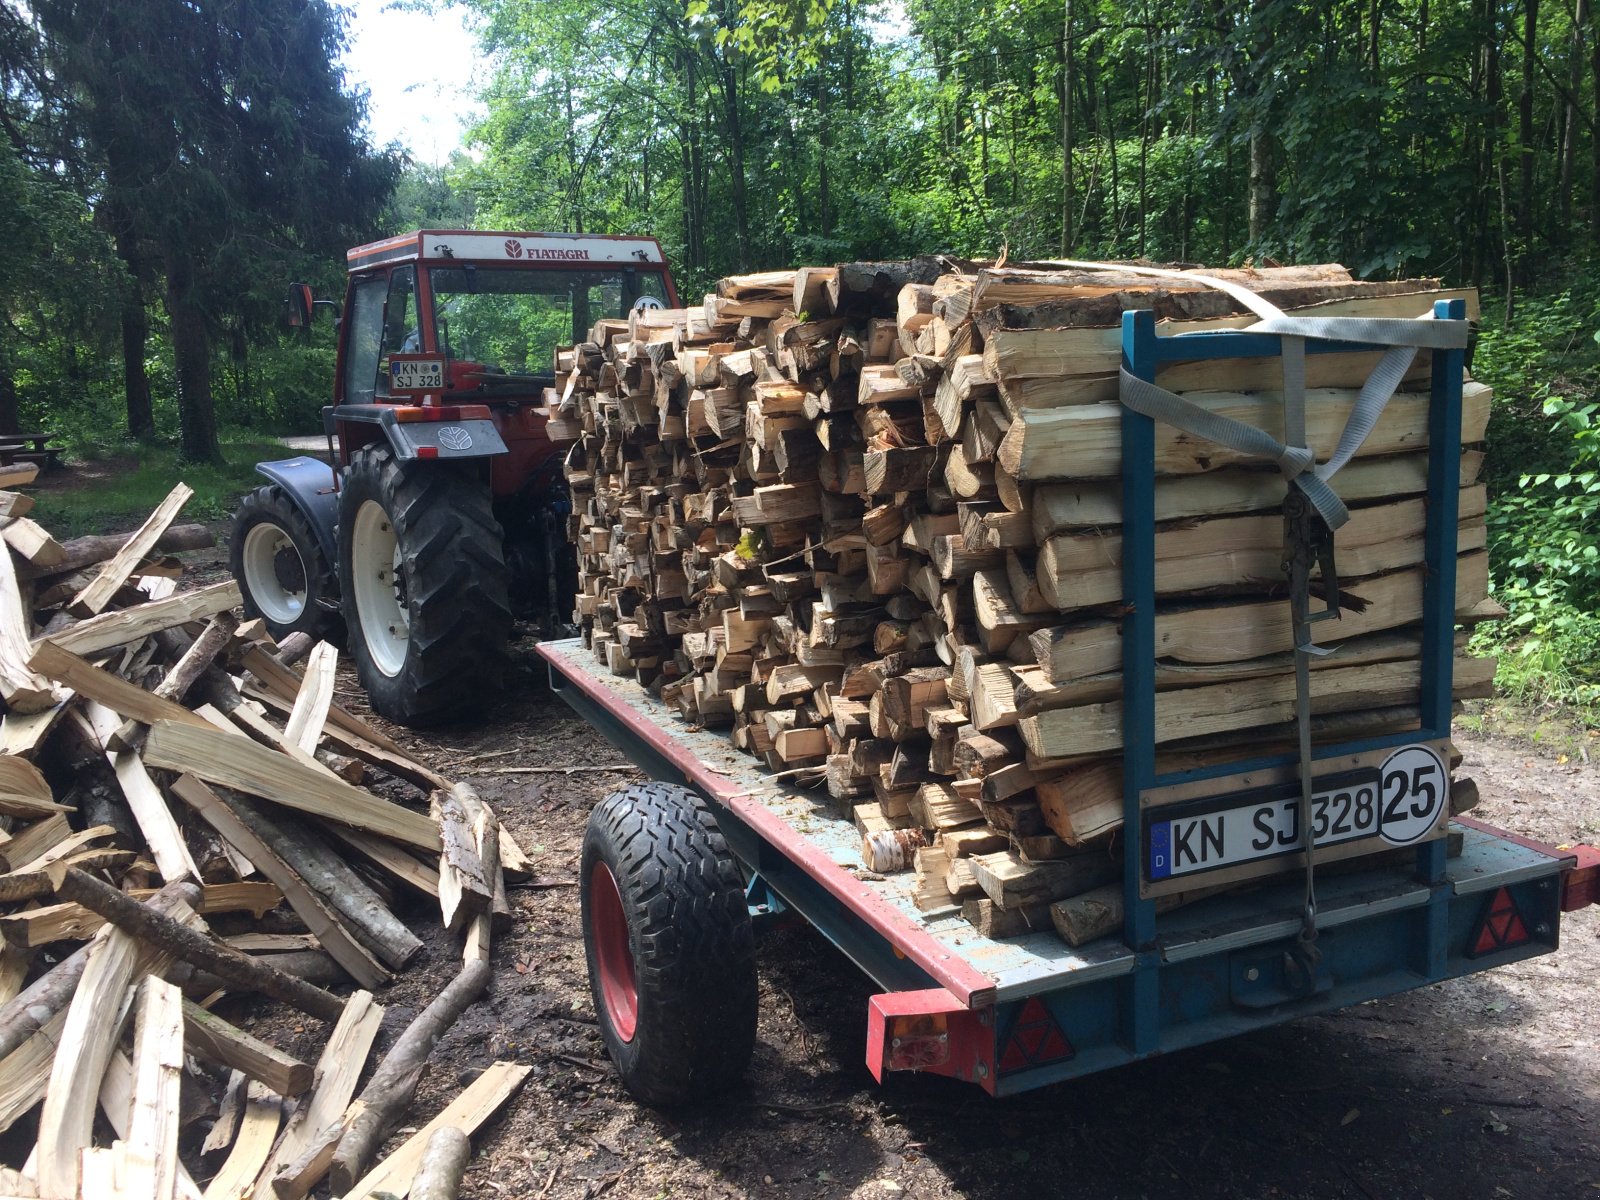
(301, 305)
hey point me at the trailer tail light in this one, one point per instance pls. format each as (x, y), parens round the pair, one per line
(1500, 928)
(1034, 1039)
(931, 1031)
(1580, 887)
(918, 1042)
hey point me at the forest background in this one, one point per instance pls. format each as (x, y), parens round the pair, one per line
(168, 166)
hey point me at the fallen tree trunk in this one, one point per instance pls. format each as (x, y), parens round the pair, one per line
(96, 548)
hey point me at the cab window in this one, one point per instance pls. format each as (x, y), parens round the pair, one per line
(365, 322)
(402, 334)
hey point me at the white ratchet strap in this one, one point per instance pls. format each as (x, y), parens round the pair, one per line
(1403, 336)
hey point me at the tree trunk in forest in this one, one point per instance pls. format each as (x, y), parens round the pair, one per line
(9, 415)
(1261, 184)
(191, 355)
(1530, 60)
(1594, 176)
(1569, 127)
(741, 210)
(135, 380)
(1067, 199)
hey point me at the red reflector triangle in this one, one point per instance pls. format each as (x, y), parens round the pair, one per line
(1035, 1039)
(1501, 927)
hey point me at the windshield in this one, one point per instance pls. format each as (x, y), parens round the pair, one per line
(513, 318)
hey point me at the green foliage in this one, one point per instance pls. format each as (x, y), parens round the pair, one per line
(1544, 516)
(129, 479)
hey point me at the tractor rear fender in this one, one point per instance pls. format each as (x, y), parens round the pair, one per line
(472, 437)
(309, 482)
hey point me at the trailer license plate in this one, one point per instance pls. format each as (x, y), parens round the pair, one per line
(1398, 803)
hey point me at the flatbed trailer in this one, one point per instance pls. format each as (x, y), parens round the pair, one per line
(1021, 1012)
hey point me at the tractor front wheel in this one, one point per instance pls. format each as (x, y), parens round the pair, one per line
(284, 576)
(671, 953)
(424, 578)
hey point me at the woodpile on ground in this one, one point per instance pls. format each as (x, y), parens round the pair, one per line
(180, 798)
(866, 518)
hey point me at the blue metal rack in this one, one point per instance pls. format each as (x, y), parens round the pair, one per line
(1144, 353)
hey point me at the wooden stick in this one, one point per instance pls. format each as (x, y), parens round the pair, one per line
(115, 573)
(394, 1083)
(444, 1161)
(149, 809)
(238, 969)
(474, 1106)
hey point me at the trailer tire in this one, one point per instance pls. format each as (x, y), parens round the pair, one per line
(283, 575)
(423, 573)
(669, 944)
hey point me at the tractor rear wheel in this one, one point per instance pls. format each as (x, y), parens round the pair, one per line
(424, 578)
(284, 576)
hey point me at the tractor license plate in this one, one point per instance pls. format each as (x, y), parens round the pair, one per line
(1397, 803)
(416, 374)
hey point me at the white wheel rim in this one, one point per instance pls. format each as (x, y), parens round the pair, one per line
(262, 545)
(376, 571)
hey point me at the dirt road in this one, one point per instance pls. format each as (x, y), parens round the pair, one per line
(1483, 1087)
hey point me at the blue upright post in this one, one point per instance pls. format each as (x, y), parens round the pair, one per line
(1138, 676)
(1439, 581)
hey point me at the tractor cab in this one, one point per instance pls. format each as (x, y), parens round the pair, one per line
(445, 511)
(446, 316)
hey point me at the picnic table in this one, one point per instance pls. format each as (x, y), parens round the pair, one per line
(29, 447)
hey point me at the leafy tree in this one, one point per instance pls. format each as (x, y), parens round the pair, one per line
(227, 144)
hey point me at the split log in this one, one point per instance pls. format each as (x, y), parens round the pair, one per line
(463, 891)
(209, 1037)
(30, 1010)
(93, 1025)
(24, 689)
(121, 626)
(258, 1127)
(390, 1090)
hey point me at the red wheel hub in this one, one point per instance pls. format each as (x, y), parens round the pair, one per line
(608, 926)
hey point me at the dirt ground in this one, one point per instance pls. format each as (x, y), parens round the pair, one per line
(1481, 1087)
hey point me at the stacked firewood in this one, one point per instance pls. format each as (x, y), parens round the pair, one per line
(180, 797)
(866, 517)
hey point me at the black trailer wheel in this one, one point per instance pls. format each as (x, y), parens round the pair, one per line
(671, 953)
(284, 576)
(425, 586)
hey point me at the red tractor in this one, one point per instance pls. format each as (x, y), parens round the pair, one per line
(444, 513)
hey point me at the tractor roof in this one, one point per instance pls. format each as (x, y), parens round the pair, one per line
(547, 250)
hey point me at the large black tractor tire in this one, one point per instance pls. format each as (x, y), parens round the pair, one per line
(284, 576)
(666, 930)
(424, 579)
